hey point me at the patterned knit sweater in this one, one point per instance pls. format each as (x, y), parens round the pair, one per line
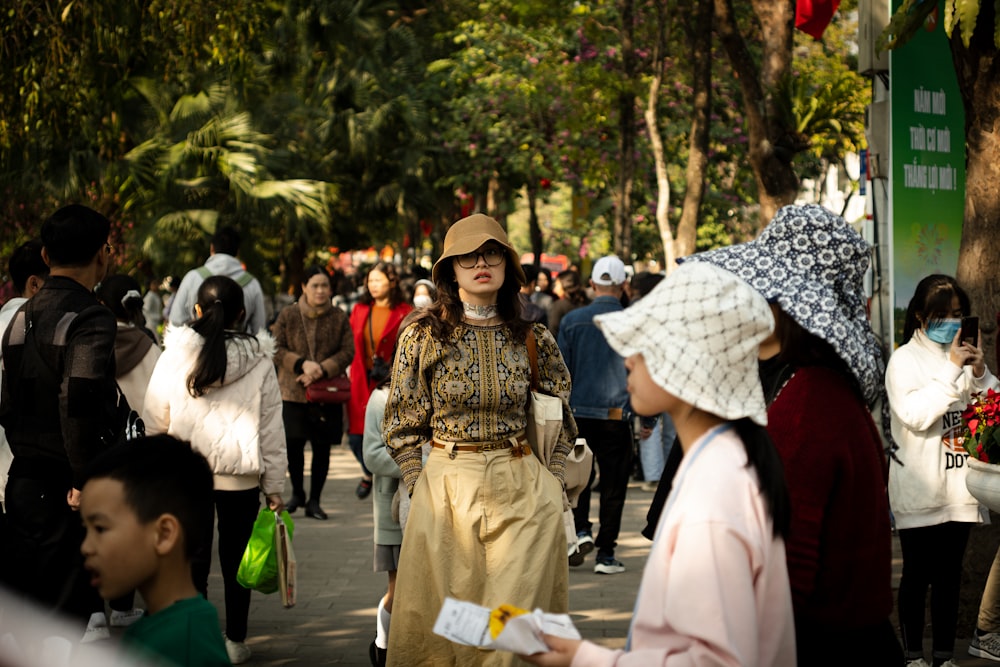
(472, 387)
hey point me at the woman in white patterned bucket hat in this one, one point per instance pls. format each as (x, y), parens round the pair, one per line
(715, 586)
(822, 372)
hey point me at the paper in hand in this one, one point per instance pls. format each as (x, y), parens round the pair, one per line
(469, 624)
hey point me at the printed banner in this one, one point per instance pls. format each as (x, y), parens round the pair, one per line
(927, 185)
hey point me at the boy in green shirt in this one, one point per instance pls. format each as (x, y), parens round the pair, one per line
(144, 506)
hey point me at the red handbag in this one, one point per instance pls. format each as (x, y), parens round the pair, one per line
(332, 390)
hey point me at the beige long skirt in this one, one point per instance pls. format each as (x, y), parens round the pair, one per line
(483, 528)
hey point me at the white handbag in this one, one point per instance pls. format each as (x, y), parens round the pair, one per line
(545, 416)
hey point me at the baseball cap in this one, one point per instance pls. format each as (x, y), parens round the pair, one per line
(608, 271)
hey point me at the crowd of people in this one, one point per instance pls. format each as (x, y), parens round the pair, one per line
(771, 522)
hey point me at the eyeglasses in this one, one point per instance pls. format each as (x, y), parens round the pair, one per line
(492, 257)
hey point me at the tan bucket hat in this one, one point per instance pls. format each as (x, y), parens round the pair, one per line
(470, 234)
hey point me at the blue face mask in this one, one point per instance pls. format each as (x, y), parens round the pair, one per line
(943, 331)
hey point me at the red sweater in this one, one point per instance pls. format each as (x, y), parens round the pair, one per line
(361, 387)
(839, 549)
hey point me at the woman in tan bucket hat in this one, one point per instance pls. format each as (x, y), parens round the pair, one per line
(485, 521)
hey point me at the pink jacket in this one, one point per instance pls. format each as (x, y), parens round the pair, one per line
(715, 587)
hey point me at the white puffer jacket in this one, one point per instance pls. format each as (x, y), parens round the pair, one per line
(237, 425)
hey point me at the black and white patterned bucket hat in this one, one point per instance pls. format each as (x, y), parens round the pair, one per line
(812, 263)
(699, 331)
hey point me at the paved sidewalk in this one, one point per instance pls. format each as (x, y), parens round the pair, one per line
(334, 620)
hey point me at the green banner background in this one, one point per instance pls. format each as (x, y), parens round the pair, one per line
(927, 187)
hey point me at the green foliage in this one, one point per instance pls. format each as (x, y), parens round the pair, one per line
(825, 99)
(206, 164)
(910, 17)
(318, 123)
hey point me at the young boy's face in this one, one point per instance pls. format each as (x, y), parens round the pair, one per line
(119, 550)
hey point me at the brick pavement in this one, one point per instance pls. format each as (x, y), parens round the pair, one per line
(333, 621)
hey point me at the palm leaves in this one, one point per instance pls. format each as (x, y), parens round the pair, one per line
(206, 162)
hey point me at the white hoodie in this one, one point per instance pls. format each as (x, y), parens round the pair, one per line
(927, 395)
(237, 425)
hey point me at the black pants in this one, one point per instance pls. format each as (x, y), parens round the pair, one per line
(235, 513)
(611, 442)
(43, 541)
(932, 558)
(871, 646)
(323, 427)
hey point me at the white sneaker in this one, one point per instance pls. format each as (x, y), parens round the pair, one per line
(986, 646)
(238, 652)
(949, 663)
(917, 663)
(609, 566)
(123, 619)
(97, 628)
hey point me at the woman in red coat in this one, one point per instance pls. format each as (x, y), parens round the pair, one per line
(375, 321)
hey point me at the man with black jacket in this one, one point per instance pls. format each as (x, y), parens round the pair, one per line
(58, 406)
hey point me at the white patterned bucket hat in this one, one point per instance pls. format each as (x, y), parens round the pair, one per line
(812, 263)
(699, 331)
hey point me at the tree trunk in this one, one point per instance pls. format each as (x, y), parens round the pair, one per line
(978, 70)
(772, 145)
(294, 266)
(493, 197)
(656, 140)
(660, 166)
(626, 139)
(694, 193)
(534, 229)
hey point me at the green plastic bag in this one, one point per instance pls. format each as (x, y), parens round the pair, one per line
(259, 566)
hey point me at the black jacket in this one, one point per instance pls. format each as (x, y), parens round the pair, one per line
(59, 399)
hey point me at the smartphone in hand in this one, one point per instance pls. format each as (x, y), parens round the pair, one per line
(970, 330)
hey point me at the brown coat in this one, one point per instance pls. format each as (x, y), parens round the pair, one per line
(329, 336)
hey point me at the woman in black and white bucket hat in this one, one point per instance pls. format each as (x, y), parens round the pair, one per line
(822, 373)
(715, 586)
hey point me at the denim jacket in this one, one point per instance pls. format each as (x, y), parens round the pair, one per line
(598, 372)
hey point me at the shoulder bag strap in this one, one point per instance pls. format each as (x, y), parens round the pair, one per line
(371, 333)
(533, 358)
(305, 332)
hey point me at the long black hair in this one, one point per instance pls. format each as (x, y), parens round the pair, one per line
(931, 300)
(800, 348)
(447, 311)
(220, 300)
(763, 457)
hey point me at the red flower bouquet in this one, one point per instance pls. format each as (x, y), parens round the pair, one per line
(982, 427)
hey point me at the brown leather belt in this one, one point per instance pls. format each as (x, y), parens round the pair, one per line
(519, 446)
(615, 413)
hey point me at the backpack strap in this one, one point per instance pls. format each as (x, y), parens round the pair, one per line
(245, 278)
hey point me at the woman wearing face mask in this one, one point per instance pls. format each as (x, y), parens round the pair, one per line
(424, 293)
(929, 381)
